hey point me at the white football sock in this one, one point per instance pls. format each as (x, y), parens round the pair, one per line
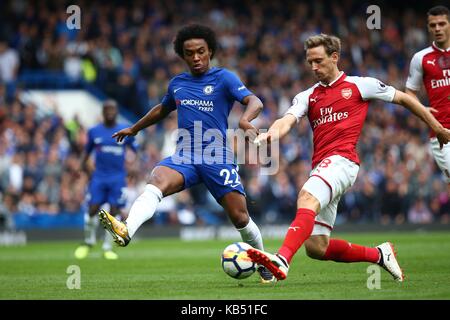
(251, 235)
(90, 229)
(143, 208)
(107, 242)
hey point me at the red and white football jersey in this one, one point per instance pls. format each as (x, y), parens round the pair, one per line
(336, 113)
(431, 66)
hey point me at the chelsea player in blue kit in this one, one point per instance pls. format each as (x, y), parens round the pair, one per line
(108, 180)
(203, 98)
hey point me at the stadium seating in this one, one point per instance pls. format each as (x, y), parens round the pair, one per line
(124, 51)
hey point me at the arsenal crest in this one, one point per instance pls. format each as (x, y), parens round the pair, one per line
(444, 62)
(346, 93)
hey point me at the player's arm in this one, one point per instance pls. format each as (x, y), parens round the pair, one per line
(85, 165)
(421, 111)
(253, 109)
(413, 93)
(415, 79)
(277, 130)
(282, 126)
(239, 92)
(84, 161)
(155, 115)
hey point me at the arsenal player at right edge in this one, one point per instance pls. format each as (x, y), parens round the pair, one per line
(431, 66)
(336, 108)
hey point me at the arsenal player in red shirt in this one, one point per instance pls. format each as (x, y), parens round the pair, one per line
(336, 108)
(431, 66)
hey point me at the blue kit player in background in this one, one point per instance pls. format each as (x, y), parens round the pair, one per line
(203, 98)
(108, 180)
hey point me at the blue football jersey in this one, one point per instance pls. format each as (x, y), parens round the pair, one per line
(204, 102)
(109, 154)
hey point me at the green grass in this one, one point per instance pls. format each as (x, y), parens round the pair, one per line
(172, 269)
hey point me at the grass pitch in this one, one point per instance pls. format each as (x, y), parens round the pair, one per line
(176, 270)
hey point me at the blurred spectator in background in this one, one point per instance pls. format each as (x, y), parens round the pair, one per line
(420, 213)
(125, 50)
(9, 62)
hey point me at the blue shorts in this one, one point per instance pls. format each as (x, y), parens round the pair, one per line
(220, 179)
(107, 189)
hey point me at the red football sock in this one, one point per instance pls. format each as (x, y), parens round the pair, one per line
(342, 251)
(300, 230)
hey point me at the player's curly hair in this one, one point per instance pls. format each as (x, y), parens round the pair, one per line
(330, 43)
(195, 31)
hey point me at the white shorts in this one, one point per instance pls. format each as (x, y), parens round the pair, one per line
(337, 174)
(442, 157)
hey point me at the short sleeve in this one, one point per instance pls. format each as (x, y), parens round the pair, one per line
(415, 76)
(300, 104)
(237, 90)
(168, 101)
(371, 88)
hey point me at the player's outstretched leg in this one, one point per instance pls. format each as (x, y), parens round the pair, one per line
(235, 205)
(299, 230)
(252, 235)
(321, 247)
(116, 228)
(275, 263)
(389, 261)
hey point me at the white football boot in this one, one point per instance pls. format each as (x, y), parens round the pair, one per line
(389, 261)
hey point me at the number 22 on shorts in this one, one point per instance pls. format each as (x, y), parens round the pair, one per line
(227, 174)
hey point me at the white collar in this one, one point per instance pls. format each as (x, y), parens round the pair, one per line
(334, 81)
(440, 49)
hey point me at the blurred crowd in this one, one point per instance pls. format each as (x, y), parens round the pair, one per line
(125, 49)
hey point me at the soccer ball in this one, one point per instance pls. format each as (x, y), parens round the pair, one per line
(235, 261)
